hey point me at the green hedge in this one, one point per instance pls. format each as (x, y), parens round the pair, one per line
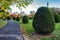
(59, 17)
(25, 19)
(56, 17)
(43, 21)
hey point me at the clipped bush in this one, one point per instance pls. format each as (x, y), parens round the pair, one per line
(17, 18)
(59, 17)
(43, 21)
(8, 17)
(56, 17)
(25, 19)
(14, 18)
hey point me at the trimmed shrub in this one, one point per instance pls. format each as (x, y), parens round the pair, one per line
(59, 17)
(25, 19)
(43, 21)
(56, 17)
(14, 18)
(17, 18)
(8, 17)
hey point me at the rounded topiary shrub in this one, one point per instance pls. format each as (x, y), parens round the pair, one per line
(59, 17)
(25, 19)
(8, 18)
(14, 18)
(17, 18)
(30, 18)
(43, 21)
(56, 17)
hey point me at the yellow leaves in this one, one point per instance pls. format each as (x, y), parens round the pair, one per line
(7, 2)
(2, 9)
(21, 3)
(0, 1)
(7, 14)
(1, 14)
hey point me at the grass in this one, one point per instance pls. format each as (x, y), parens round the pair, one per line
(2, 23)
(57, 29)
(28, 27)
(57, 26)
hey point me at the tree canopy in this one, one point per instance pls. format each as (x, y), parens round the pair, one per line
(19, 3)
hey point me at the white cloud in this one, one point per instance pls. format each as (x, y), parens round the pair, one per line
(15, 9)
(27, 10)
(30, 8)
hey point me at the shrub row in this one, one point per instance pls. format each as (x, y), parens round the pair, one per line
(43, 21)
(25, 19)
(57, 19)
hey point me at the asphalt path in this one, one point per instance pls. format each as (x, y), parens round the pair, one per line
(11, 31)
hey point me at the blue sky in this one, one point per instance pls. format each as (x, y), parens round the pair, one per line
(52, 3)
(36, 4)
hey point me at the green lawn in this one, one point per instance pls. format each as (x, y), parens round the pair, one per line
(30, 29)
(57, 26)
(28, 26)
(2, 23)
(57, 29)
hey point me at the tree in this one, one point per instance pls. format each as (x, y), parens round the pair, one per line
(19, 3)
(43, 21)
(25, 19)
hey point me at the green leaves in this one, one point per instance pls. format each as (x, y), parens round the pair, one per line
(21, 3)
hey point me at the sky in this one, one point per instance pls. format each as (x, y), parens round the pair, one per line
(36, 4)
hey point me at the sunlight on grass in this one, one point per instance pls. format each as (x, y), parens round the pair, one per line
(29, 30)
(2, 23)
(57, 26)
(57, 29)
(28, 26)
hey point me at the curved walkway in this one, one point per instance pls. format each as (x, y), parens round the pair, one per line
(11, 31)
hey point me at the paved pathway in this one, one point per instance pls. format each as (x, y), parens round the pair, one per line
(11, 31)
